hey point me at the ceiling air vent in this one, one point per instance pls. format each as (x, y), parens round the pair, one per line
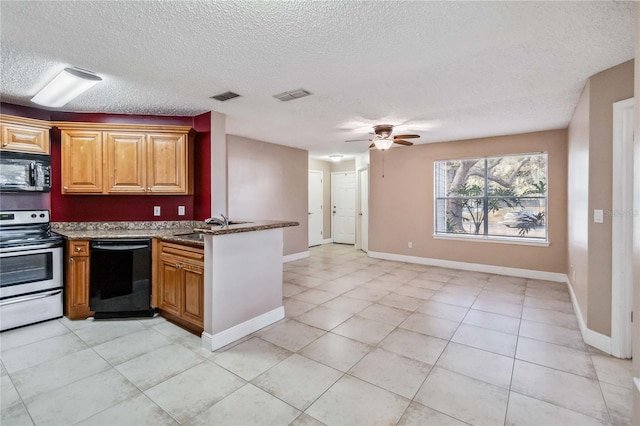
(225, 96)
(292, 94)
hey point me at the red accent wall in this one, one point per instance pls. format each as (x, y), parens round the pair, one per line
(202, 177)
(85, 208)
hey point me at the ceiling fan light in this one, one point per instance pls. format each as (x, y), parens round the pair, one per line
(335, 157)
(67, 85)
(383, 144)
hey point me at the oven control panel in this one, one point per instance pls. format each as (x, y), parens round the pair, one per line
(23, 217)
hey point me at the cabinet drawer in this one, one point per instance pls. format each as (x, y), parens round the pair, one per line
(78, 248)
(184, 252)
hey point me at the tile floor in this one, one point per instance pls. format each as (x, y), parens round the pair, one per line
(365, 342)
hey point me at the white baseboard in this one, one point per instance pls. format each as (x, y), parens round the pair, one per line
(223, 338)
(478, 267)
(295, 256)
(590, 337)
(327, 241)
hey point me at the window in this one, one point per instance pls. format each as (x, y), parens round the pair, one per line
(502, 197)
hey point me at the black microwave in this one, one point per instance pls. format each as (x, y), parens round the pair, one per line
(24, 172)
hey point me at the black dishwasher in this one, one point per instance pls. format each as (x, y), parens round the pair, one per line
(120, 278)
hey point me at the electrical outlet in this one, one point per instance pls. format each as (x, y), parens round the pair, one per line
(180, 210)
(156, 210)
(410, 244)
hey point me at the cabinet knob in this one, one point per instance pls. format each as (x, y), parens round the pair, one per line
(65, 188)
(5, 144)
(71, 260)
(149, 189)
(78, 249)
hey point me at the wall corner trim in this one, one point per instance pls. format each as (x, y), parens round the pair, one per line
(213, 342)
(295, 256)
(478, 267)
(590, 337)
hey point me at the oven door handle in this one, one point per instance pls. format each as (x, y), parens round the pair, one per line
(30, 297)
(120, 247)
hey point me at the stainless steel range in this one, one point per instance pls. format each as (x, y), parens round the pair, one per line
(30, 269)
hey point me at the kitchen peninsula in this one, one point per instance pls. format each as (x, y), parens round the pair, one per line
(239, 292)
(242, 279)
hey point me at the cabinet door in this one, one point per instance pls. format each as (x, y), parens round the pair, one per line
(193, 296)
(170, 285)
(81, 162)
(167, 160)
(126, 162)
(25, 139)
(77, 281)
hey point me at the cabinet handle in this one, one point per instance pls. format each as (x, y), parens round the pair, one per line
(71, 260)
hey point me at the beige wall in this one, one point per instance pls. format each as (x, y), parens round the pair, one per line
(325, 167)
(591, 154)
(268, 181)
(343, 166)
(607, 87)
(578, 200)
(401, 203)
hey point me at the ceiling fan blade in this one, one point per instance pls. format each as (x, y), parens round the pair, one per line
(406, 136)
(359, 140)
(401, 142)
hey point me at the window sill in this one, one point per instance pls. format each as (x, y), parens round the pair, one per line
(493, 240)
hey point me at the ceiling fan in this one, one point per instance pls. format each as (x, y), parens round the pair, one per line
(383, 139)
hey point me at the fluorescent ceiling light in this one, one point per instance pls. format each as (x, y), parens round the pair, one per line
(335, 157)
(383, 144)
(70, 83)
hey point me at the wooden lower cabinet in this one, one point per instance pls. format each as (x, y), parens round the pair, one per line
(180, 285)
(77, 280)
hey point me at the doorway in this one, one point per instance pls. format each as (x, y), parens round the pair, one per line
(363, 204)
(316, 222)
(622, 224)
(343, 202)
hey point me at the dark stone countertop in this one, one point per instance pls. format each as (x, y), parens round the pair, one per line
(169, 231)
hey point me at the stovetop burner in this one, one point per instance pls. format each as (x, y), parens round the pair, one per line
(26, 228)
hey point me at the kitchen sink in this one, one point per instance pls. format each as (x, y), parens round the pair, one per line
(196, 236)
(237, 222)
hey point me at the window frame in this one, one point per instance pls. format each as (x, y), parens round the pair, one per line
(485, 198)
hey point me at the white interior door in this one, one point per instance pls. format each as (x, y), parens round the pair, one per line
(315, 208)
(343, 203)
(364, 209)
(622, 223)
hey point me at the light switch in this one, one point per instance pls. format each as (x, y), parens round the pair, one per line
(598, 216)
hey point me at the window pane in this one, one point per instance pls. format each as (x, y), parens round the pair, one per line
(460, 178)
(517, 175)
(460, 215)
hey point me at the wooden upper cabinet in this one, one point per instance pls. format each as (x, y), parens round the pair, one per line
(126, 162)
(168, 165)
(81, 162)
(24, 134)
(140, 159)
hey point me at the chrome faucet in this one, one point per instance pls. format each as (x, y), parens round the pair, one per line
(217, 221)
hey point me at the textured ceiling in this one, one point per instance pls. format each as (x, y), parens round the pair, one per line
(446, 70)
